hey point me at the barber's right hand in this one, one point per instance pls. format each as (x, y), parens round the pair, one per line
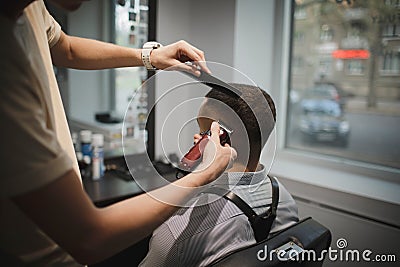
(216, 158)
(172, 56)
(196, 138)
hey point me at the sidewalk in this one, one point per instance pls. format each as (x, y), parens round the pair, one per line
(383, 107)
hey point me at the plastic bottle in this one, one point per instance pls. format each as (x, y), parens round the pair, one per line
(97, 156)
(130, 122)
(74, 136)
(86, 138)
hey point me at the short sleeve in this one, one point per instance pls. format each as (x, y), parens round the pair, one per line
(53, 29)
(30, 154)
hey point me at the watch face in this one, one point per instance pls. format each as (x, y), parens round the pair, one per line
(152, 45)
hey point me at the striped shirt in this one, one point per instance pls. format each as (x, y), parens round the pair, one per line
(201, 234)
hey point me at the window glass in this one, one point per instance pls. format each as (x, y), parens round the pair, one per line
(355, 67)
(326, 33)
(344, 95)
(300, 13)
(131, 26)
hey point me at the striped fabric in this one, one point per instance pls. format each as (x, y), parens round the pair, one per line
(200, 234)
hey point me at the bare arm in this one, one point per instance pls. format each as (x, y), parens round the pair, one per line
(65, 213)
(88, 54)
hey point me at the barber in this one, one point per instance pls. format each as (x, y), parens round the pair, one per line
(46, 217)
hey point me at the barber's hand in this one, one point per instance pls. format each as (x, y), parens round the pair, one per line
(175, 54)
(216, 158)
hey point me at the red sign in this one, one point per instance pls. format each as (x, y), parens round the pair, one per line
(351, 54)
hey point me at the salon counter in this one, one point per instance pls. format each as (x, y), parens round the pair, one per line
(110, 189)
(113, 187)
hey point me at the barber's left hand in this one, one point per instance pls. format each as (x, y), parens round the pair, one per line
(175, 54)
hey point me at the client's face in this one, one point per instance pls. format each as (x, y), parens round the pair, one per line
(214, 110)
(210, 110)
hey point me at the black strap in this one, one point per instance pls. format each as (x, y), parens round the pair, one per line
(238, 201)
(261, 224)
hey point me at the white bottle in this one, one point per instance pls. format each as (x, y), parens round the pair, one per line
(130, 122)
(86, 147)
(74, 137)
(97, 156)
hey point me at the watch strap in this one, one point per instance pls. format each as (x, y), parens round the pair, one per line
(146, 51)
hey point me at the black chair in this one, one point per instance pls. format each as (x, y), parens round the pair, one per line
(301, 244)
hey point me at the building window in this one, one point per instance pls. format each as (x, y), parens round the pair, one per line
(325, 66)
(390, 63)
(340, 109)
(393, 3)
(391, 30)
(355, 67)
(297, 65)
(300, 13)
(326, 33)
(299, 37)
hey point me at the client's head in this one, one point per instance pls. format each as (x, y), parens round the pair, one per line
(251, 117)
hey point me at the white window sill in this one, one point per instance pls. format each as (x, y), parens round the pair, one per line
(368, 192)
(389, 73)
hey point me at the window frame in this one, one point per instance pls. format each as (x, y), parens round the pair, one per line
(337, 175)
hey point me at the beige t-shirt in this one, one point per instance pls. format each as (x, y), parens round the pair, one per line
(36, 144)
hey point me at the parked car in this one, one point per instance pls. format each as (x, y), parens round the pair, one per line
(327, 90)
(323, 120)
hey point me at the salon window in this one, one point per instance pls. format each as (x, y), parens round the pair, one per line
(344, 83)
(337, 93)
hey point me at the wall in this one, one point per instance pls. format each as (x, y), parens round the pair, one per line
(208, 25)
(360, 234)
(253, 46)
